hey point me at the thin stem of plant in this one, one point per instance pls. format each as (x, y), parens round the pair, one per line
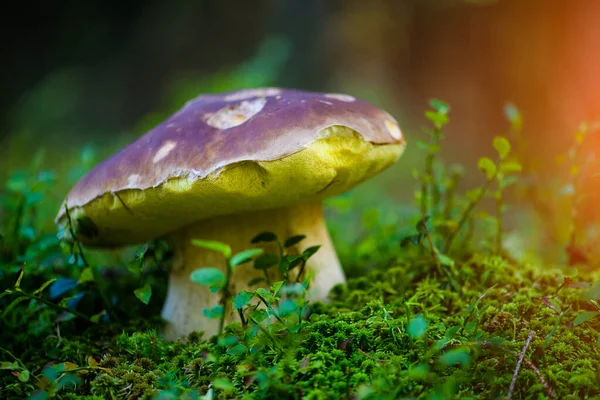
(48, 303)
(428, 180)
(226, 295)
(518, 367)
(499, 221)
(432, 249)
(467, 213)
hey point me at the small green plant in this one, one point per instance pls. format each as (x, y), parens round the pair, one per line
(216, 280)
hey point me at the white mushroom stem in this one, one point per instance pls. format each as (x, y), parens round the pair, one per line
(186, 300)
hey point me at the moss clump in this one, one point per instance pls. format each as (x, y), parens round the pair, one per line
(447, 315)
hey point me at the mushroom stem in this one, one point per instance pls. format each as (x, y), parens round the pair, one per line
(186, 300)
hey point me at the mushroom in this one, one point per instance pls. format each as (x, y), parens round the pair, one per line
(226, 167)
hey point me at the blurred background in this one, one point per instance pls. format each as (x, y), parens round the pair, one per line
(82, 79)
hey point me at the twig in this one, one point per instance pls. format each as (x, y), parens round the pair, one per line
(521, 357)
(529, 363)
(540, 377)
(373, 358)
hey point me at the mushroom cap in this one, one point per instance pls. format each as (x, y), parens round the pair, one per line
(229, 153)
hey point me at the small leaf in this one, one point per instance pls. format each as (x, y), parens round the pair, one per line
(11, 366)
(69, 366)
(237, 350)
(294, 260)
(287, 307)
(256, 281)
(438, 119)
(456, 356)
(506, 182)
(12, 305)
(44, 286)
(275, 287)
(294, 240)
(223, 384)
(20, 278)
(502, 146)
(259, 315)
(422, 225)
(245, 256)
(511, 166)
(23, 376)
(445, 260)
(242, 299)
(92, 363)
(264, 237)
(208, 277)
(309, 252)
(513, 115)
(266, 260)
(264, 293)
(213, 245)
(214, 312)
(440, 106)
(474, 194)
(487, 166)
(417, 327)
(585, 316)
(144, 293)
(86, 275)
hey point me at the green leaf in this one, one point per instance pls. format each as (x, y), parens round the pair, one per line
(474, 194)
(23, 376)
(585, 317)
(209, 277)
(275, 287)
(266, 260)
(86, 275)
(506, 182)
(445, 260)
(245, 256)
(237, 350)
(309, 252)
(439, 106)
(20, 278)
(11, 366)
(144, 293)
(259, 315)
(438, 119)
(264, 293)
(502, 146)
(511, 166)
(287, 307)
(264, 237)
(214, 312)
(13, 304)
(487, 166)
(242, 299)
(213, 245)
(294, 240)
(223, 384)
(421, 226)
(514, 116)
(417, 327)
(456, 356)
(44, 286)
(256, 281)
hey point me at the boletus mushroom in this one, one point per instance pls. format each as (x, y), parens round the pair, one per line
(226, 167)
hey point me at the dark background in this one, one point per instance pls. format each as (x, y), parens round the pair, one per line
(96, 74)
